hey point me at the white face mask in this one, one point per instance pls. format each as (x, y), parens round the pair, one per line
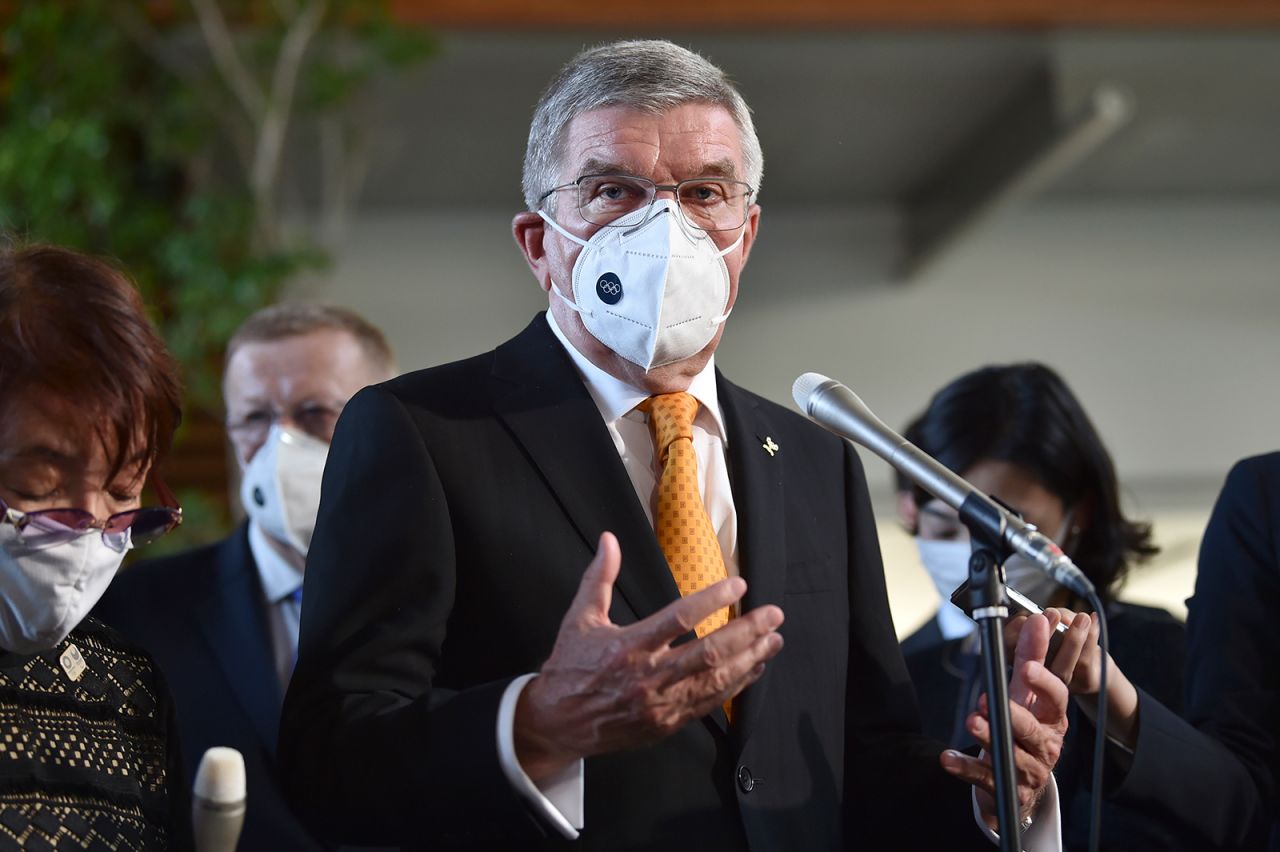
(947, 563)
(654, 291)
(48, 589)
(280, 486)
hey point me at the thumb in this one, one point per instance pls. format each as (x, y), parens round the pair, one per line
(595, 591)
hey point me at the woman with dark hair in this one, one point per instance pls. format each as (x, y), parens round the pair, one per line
(88, 406)
(1018, 433)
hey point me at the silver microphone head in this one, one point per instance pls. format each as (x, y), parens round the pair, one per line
(803, 388)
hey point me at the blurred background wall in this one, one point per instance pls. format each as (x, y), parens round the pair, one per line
(947, 184)
(1147, 271)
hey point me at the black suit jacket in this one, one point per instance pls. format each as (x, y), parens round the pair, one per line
(201, 615)
(460, 507)
(1217, 775)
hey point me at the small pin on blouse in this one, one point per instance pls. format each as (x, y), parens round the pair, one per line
(72, 662)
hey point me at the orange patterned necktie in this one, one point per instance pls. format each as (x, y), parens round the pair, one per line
(684, 530)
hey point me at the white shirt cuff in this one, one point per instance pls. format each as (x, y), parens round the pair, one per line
(559, 799)
(1045, 833)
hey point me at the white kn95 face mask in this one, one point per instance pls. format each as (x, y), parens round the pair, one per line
(654, 290)
(280, 487)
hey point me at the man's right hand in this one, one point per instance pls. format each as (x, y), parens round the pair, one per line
(606, 688)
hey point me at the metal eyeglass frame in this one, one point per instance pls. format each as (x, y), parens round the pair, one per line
(747, 195)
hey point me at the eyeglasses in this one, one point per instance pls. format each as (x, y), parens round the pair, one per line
(48, 527)
(315, 419)
(708, 204)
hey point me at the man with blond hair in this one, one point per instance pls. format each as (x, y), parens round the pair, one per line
(222, 620)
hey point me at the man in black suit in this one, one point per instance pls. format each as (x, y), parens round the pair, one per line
(461, 502)
(222, 620)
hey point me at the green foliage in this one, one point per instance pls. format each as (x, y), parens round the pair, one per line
(107, 148)
(98, 152)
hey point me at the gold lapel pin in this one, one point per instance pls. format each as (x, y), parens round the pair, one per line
(769, 446)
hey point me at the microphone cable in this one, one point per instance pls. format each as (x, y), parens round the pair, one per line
(1100, 735)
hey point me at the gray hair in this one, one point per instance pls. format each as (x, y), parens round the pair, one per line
(650, 76)
(293, 319)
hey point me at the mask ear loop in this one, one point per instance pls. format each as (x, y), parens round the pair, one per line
(568, 236)
(555, 288)
(715, 321)
(573, 305)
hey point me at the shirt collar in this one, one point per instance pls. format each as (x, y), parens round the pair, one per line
(279, 578)
(615, 398)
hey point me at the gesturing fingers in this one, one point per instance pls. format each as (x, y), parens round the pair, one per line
(967, 768)
(1012, 630)
(1036, 745)
(1033, 644)
(1037, 729)
(1074, 646)
(721, 658)
(978, 772)
(708, 702)
(680, 617)
(1049, 695)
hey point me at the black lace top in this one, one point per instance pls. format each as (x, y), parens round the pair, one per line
(88, 749)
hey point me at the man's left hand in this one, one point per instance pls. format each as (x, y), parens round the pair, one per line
(1038, 716)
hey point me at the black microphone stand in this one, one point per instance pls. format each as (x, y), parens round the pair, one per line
(989, 607)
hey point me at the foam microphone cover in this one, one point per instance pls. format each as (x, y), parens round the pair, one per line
(217, 801)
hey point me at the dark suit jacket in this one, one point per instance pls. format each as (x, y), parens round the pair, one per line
(1217, 775)
(460, 507)
(200, 614)
(1147, 643)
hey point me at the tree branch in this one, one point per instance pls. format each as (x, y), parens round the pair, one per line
(159, 48)
(344, 160)
(275, 117)
(222, 47)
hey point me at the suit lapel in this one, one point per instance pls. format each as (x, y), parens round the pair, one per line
(538, 394)
(758, 501)
(233, 619)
